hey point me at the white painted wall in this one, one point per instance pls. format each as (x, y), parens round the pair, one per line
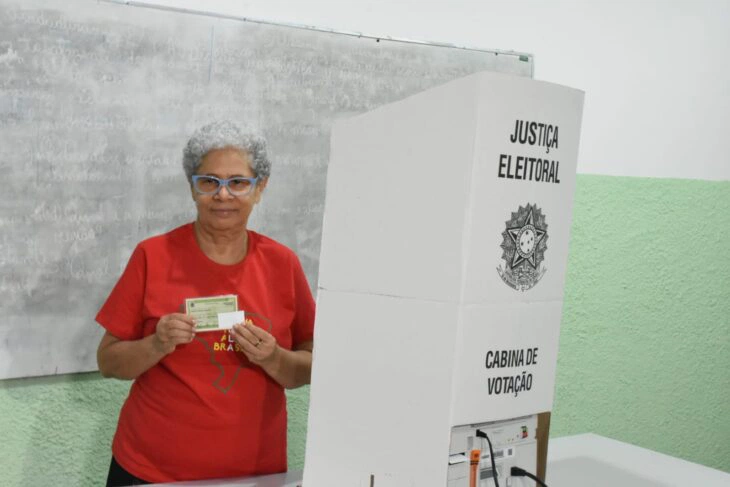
(656, 72)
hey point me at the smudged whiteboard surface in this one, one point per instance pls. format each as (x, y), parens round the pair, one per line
(96, 103)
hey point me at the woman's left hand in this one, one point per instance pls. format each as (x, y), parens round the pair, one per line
(258, 345)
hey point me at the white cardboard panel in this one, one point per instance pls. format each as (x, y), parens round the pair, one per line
(397, 189)
(514, 326)
(380, 396)
(433, 231)
(503, 100)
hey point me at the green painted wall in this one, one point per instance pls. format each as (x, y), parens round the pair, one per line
(645, 337)
(58, 430)
(644, 354)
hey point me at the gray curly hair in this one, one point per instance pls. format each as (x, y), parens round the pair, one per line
(221, 135)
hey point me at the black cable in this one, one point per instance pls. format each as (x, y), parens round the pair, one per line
(482, 434)
(519, 472)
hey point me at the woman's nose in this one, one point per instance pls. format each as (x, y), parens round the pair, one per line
(224, 193)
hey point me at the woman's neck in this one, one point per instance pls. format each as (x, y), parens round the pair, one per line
(225, 247)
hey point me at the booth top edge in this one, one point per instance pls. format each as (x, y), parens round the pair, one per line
(472, 79)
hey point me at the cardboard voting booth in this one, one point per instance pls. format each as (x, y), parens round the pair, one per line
(442, 270)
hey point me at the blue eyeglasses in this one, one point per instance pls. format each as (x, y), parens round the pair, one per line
(237, 186)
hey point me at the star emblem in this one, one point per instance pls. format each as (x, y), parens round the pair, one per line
(526, 238)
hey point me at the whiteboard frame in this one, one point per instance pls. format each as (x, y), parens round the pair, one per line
(376, 38)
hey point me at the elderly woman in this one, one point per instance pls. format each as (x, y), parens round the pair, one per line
(208, 404)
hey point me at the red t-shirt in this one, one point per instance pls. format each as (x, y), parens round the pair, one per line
(205, 411)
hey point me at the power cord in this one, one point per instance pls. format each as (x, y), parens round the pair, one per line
(519, 472)
(482, 434)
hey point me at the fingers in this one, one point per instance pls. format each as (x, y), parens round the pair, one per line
(176, 322)
(179, 318)
(258, 345)
(174, 329)
(180, 336)
(250, 334)
(245, 338)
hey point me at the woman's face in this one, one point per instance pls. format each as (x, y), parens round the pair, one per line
(224, 211)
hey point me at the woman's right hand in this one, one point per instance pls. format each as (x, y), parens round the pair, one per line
(173, 330)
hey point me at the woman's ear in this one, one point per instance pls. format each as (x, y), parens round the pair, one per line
(260, 187)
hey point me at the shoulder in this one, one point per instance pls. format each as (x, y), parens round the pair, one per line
(175, 238)
(269, 247)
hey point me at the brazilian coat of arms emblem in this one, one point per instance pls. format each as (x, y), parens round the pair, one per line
(524, 242)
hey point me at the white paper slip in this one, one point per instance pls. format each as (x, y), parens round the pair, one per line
(227, 320)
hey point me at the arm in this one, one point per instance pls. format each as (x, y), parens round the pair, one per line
(128, 359)
(290, 368)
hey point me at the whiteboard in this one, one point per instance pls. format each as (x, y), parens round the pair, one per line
(97, 101)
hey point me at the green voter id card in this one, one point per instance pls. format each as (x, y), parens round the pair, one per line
(205, 310)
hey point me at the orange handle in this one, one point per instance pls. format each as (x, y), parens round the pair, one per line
(474, 458)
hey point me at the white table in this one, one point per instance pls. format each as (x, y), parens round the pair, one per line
(289, 479)
(586, 460)
(596, 461)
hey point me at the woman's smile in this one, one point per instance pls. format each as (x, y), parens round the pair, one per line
(224, 212)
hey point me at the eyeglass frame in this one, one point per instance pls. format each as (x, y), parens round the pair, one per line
(222, 183)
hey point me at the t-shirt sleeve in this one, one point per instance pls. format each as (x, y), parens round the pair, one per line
(303, 326)
(121, 314)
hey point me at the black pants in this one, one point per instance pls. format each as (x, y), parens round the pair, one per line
(118, 477)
